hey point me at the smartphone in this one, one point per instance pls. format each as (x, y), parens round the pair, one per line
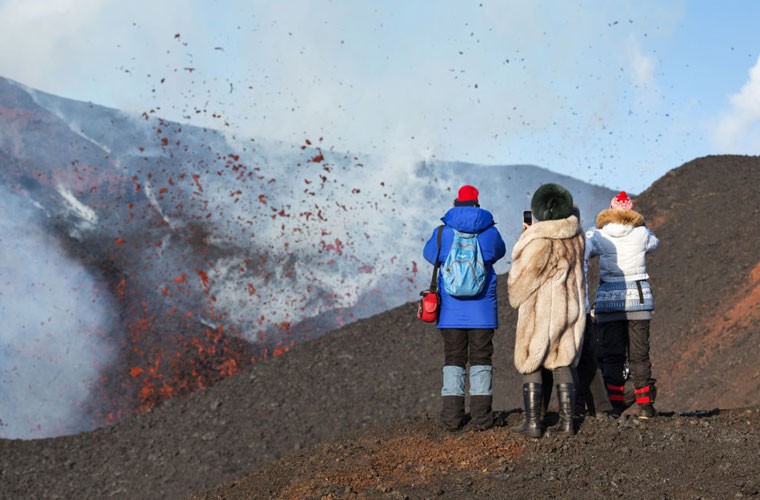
(528, 217)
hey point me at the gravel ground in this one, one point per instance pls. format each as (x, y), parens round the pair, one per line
(671, 456)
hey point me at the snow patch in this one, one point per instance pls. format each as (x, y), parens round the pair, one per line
(84, 212)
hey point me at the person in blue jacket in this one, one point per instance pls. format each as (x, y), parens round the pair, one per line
(467, 324)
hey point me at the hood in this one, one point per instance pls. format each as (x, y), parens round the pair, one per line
(560, 229)
(617, 223)
(624, 217)
(468, 219)
(616, 230)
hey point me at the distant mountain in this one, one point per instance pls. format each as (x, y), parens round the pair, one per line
(148, 258)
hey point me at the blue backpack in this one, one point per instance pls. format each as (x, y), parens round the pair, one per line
(464, 271)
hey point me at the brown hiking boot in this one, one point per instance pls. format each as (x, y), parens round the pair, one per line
(647, 410)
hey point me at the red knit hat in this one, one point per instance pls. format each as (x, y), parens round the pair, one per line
(468, 196)
(621, 202)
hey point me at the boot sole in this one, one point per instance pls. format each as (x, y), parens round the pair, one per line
(534, 435)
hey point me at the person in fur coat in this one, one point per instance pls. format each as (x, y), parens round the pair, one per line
(591, 396)
(624, 301)
(546, 284)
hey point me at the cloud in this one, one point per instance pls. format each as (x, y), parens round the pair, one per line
(738, 128)
(479, 82)
(51, 347)
(642, 66)
(454, 85)
(40, 36)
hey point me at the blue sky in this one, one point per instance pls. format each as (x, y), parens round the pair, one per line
(615, 93)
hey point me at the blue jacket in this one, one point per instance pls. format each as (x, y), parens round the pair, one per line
(473, 312)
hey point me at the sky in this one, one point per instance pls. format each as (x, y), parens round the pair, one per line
(613, 93)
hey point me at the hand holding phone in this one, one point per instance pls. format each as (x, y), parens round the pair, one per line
(527, 217)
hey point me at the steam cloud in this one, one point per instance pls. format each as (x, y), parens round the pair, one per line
(54, 319)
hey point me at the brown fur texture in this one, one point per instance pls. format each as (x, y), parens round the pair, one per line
(626, 217)
(546, 284)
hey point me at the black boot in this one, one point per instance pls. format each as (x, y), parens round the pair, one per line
(566, 396)
(452, 413)
(481, 412)
(533, 402)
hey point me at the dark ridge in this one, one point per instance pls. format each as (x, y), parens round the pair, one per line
(706, 279)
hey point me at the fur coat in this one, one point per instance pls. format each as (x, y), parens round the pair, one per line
(546, 284)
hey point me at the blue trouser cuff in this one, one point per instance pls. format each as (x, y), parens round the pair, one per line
(480, 380)
(453, 381)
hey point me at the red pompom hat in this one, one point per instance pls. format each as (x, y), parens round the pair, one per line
(621, 202)
(467, 197)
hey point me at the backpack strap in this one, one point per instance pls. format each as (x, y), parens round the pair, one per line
(434, 280)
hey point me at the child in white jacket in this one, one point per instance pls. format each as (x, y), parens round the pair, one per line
(624, 301)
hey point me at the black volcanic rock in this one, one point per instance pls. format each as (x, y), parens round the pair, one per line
(706, 456)
(706, 280)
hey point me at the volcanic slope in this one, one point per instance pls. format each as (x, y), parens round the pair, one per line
(675, 457)
(360, 400)
(706, 280)
(205, 250)
(705, 351)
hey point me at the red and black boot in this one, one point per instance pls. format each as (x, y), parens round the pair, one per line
(645, 399)
(617, 399)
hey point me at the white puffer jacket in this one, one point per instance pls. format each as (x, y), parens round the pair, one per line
(621, 240)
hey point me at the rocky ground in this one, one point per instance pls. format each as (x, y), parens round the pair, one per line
(678, 457)
(350, 415)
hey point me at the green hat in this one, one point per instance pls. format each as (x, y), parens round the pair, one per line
(552, 202)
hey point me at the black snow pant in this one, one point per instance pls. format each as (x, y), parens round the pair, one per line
(461, 346)
(591, 394)
(620, 341)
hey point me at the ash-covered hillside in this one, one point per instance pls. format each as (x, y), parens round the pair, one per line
(707, 280)
(163, 257)
(367, 393)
